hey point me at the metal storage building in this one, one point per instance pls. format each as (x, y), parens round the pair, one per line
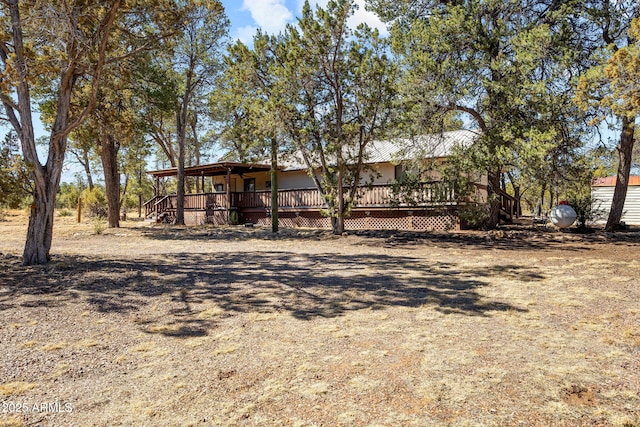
(602, 194)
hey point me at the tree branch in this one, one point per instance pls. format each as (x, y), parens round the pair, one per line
(105, 28)
(474, 113)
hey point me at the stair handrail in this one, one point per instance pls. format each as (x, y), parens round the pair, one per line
(149, 206)
(509, 203)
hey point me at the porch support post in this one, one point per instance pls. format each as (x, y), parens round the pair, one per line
(274, 185)
(228, 182)
(157, 193)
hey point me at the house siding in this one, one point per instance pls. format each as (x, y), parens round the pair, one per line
(602, 197)
(602, 194)
(383, 173)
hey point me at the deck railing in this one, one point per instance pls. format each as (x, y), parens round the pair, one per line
(509, 204)
(203, 201)
(165, 204)
(374, 196)
(149, 206)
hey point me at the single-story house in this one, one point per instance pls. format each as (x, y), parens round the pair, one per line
(241, 192)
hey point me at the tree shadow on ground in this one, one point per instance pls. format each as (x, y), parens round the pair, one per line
(522, 238)
(306, 286)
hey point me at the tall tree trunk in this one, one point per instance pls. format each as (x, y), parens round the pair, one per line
(339, 225)
(196, 148)
(494, 200)
(274, 185)
(542, 193)
(625, 149)
(46, 178)
(181, 122)
(87, 169)
(140, 192)
(109, 157)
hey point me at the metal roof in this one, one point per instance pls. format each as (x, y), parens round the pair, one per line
(393, 150)
(431, 146)
(425, 146)
(610, 181)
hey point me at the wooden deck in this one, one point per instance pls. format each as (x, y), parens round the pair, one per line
(374, 196)
(376, 204)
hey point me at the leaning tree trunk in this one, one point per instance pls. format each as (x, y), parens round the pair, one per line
(109, 157)
(46, 180)
(624, 169)
(84, 161)
(40, 230)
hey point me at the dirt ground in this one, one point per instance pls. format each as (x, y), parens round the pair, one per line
(162, 326)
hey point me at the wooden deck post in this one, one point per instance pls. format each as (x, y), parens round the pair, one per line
(228, 182)
(274, 186)
(157, 193)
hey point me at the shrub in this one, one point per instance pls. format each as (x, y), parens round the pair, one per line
(473, 215)
(95, 202)
(67, 196)
(98, 226)
(587, 209)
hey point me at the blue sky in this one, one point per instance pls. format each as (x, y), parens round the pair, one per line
(272, 16)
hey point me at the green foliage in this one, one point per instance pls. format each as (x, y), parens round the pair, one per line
(94, 202)
(239, 104)
(454, 179)
(98, 225)
(503, 67)
(587, 209)
(473, 215)
(140, 186)
(68, 194)
(333, 91)
(14, 174)
(610, 86)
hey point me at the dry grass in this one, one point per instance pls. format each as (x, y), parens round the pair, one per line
(11, 422)
(166, 326)
(15, 388)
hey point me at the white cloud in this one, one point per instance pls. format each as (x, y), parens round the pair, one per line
(360, 16)
(270, 15)
(245, 34)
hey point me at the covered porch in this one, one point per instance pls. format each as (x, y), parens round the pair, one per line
(219, 203)
(430, 207)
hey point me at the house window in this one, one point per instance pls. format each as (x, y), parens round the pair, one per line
(249, 185)
(399, 172)
(218, 188)
(267, 185)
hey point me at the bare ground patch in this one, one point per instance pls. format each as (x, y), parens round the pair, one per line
(166, 326)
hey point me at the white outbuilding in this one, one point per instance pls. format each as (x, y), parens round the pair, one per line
(602, 194)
